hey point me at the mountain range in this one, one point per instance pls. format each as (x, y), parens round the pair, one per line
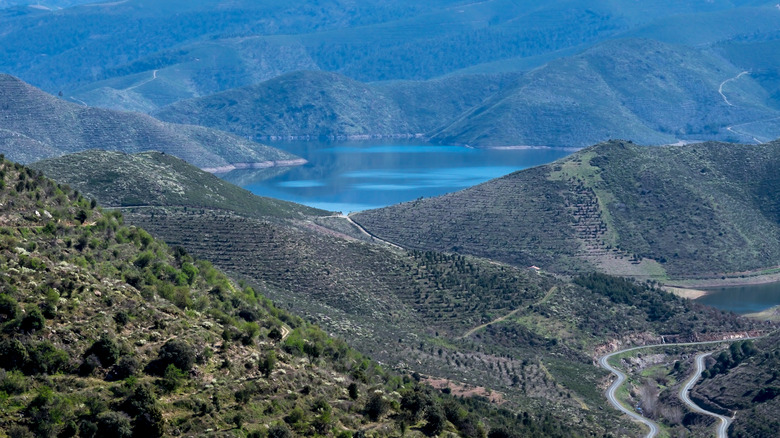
(596, 77)
(638, 89)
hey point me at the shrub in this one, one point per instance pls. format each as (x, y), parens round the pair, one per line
(114, 425)
(127, 366)
(353, 391)
(9, 308)
(279, 431)
(13, 382)
(268, 363)
(45, 358)
(177, 353)
(376, 406)
(13, 354)
(173, 378)
(105, 349)
(33, 320)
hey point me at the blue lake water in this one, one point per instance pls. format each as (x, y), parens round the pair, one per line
(743, 299)
(358, 176)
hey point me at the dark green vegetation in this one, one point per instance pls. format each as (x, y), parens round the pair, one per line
(153, 178)
(35, 125)
(609, 91)
(473, 326)
(745, 378)
(676, 212)
(105, 331)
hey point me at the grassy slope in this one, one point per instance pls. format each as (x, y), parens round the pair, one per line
(152, 178)
(35, 125)
(73, 277)
(699, 210)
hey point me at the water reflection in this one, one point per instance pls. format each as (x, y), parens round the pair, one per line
(743, 299)
(357, 176)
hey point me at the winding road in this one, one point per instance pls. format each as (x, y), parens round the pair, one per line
(725, 422)
(720, 89)
(621, 378)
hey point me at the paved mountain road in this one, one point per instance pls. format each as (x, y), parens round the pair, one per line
(621, 378)
(725, 422)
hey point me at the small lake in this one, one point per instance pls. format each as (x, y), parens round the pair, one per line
(357, 176)
(743, 299)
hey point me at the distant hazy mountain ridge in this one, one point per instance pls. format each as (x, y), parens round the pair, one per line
(35, 125)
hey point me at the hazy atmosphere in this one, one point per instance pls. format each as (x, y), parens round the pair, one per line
(487, 219)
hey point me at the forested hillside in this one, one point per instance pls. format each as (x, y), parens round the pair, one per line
(109, 332)
(465, 324)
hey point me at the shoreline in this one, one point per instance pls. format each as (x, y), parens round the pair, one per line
(258, 165)
(734, 279)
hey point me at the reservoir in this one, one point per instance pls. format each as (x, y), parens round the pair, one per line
(743, 299)
(356, 176)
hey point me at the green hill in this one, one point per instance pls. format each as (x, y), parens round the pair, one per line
(153, 178)
(35, 125)
(297, 104)
(320, 104)
(472, 325)
(646, 91)
(700, 210)
(105, 331)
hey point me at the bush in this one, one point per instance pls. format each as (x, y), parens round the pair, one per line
(9, 308)
(353, 391)
(105, 349)
(13, 354)
(175, 352)
(268, 363)
(173, 378)
(114, 425)
(376, 407)
(32, 321)
(45, 358)
(126, 367)
(13, 382)
(280, 431)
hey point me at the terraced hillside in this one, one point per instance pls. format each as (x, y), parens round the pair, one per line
(35, 125)
(478, 327)
(700, 210)
(109, 332)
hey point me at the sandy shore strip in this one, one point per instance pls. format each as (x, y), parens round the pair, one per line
(771, 314)
(682, 292)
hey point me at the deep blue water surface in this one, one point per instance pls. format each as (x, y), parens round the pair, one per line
(743, 299)
(358, 176)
